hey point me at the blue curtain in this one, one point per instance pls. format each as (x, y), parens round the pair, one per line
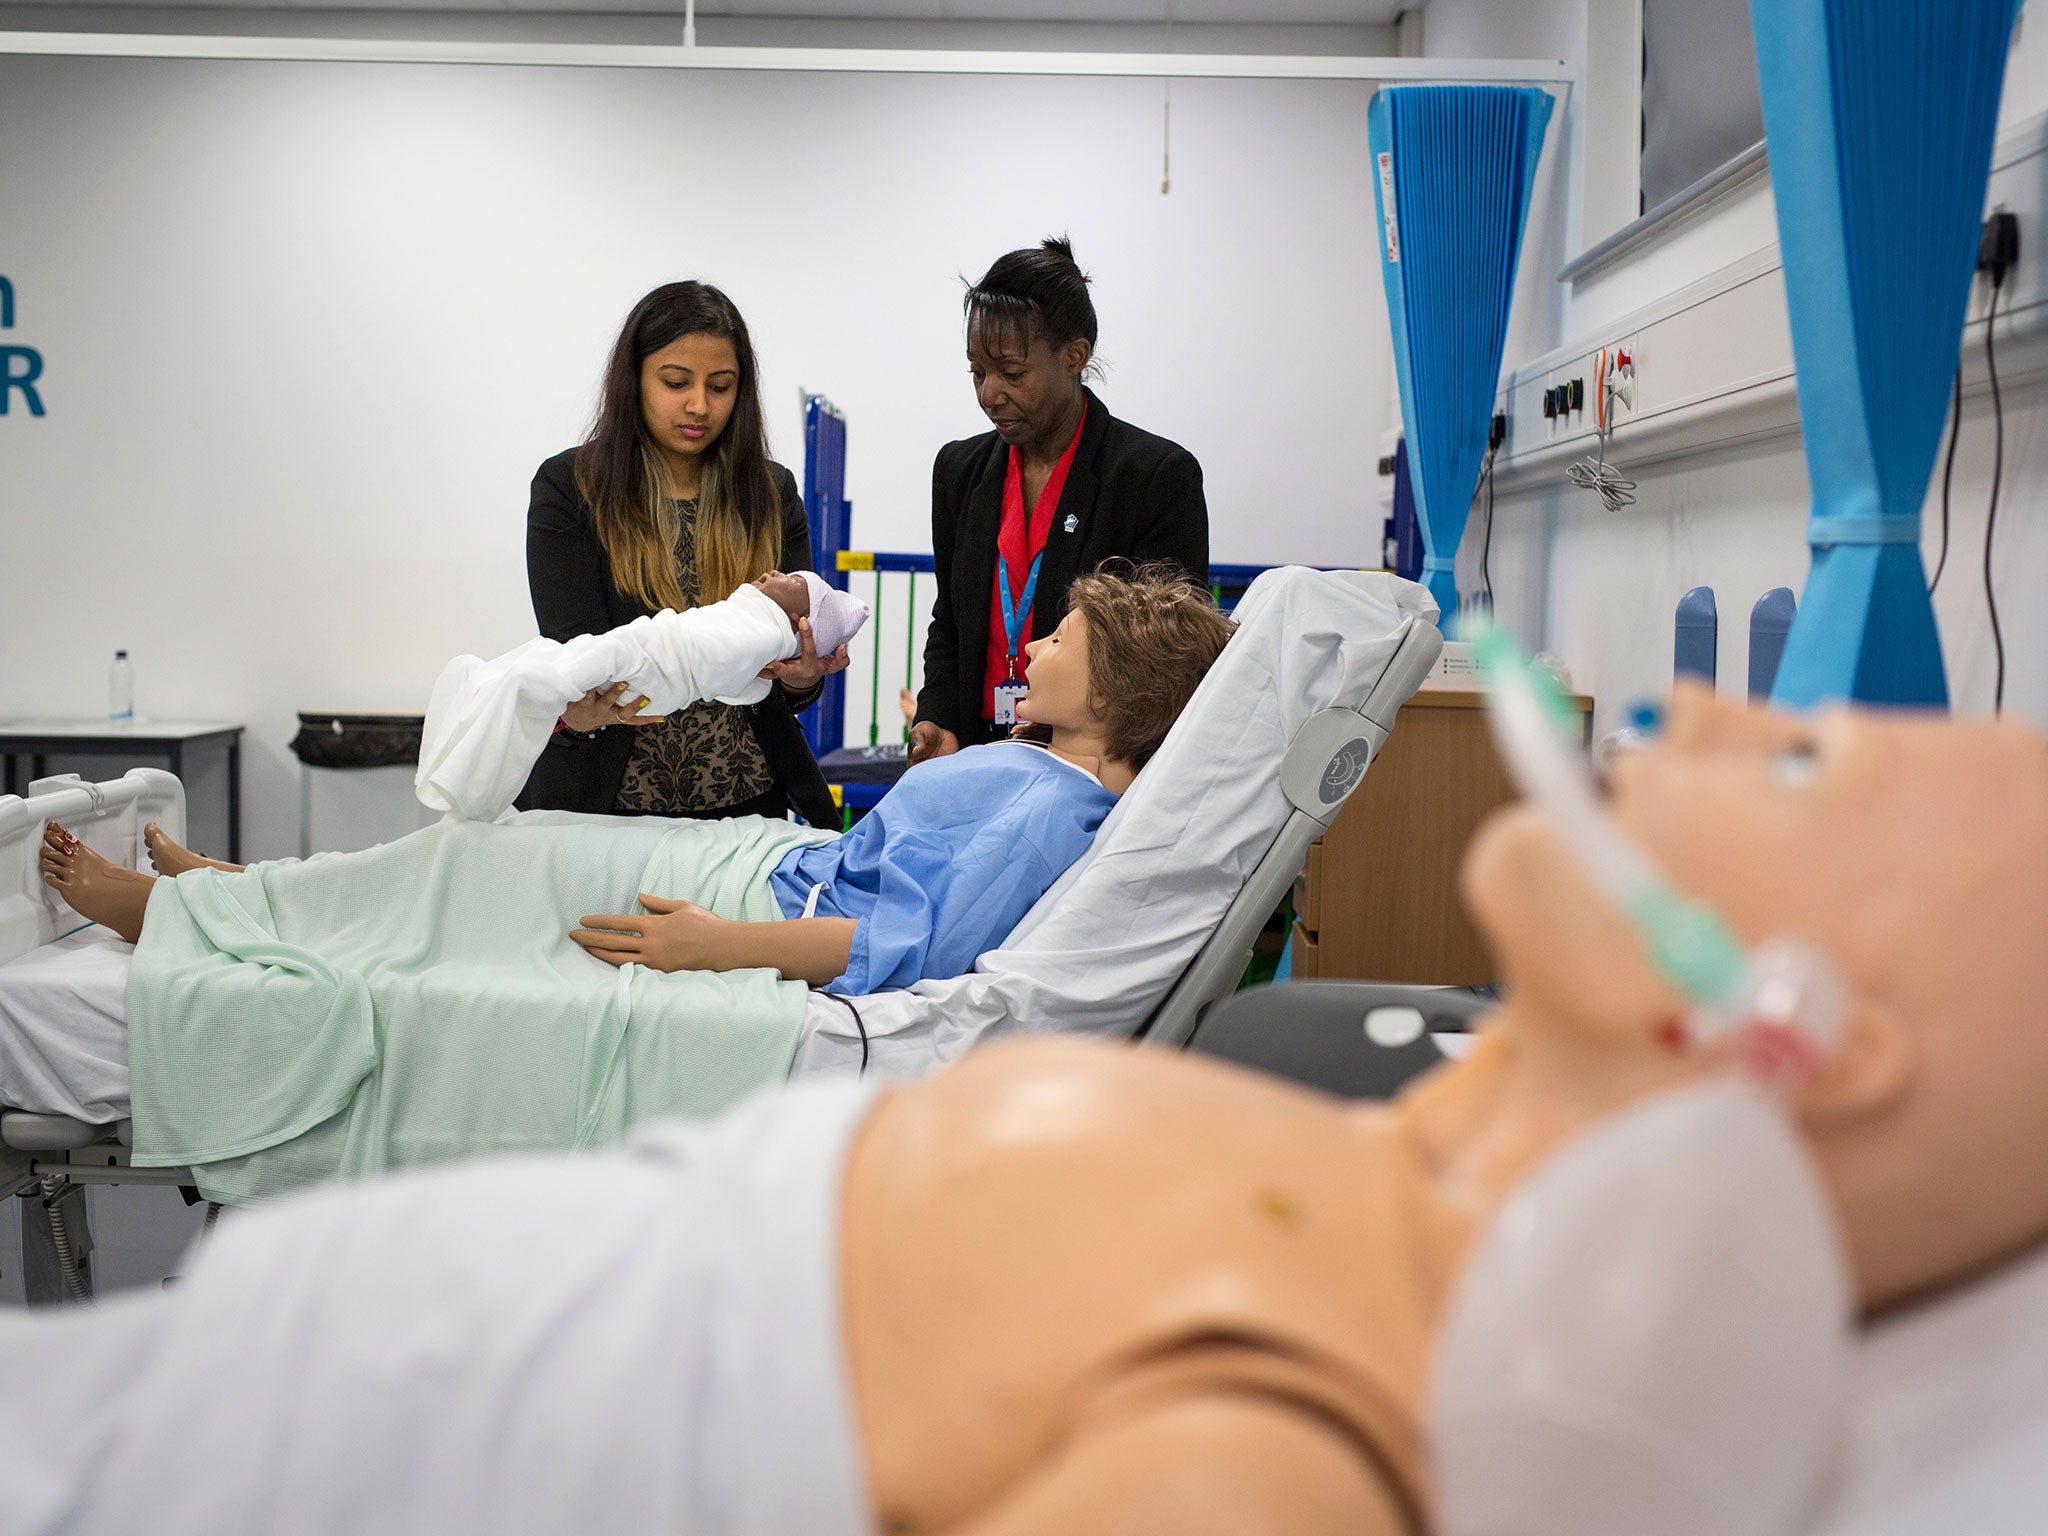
(1879, 115)
(1452, 166)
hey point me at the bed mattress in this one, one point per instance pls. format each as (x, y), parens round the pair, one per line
(63, 1028)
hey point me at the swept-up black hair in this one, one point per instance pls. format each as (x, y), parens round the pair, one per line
(1038, 291)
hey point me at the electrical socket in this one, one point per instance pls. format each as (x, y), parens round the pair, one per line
(1621, 382)
(1998, 246)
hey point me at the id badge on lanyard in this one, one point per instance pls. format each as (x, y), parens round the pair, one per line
(1008, 693)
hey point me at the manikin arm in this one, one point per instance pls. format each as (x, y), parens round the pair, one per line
(682, 936)
(1231, 1464)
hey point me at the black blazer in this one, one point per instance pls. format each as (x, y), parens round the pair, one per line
(573, 594)
(1130, 493)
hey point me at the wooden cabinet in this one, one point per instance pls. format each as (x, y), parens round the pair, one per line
(1378, 898)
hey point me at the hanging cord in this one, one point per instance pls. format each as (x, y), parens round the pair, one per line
(1486, 544)
(1997, 473)
(1166, 142)
(1593, 473)
(1948, 470)
(55, 1191)
(858, 1023)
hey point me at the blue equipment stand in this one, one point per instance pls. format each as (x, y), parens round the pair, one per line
(831, 515)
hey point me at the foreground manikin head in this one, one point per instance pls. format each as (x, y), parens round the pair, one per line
(1914, 850)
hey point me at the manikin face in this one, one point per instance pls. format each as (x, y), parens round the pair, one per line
(687, 392)
(1025, 388)
(790, 592)
(1057, 673)
(1913, 850)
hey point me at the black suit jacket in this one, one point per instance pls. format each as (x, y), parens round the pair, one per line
(573, 594)
(1128, 492)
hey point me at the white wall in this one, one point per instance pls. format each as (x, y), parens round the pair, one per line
(1600, 588)
(309, 328)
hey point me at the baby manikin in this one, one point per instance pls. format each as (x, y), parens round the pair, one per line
(488, 720)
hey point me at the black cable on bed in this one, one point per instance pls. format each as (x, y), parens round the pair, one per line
(858, 1023)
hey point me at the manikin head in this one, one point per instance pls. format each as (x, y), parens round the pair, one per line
(1914, 851)
(1122, 664)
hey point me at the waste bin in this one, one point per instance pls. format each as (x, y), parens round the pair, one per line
(362, 767)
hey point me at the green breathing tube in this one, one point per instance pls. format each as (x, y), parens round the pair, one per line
(1784, 993)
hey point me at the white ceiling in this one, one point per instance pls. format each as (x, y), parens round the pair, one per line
(1200, 12)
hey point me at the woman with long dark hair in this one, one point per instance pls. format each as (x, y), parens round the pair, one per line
(1057, 488)
(673, 501)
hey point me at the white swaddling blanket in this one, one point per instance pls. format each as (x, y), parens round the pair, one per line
(488, 720)
(646, 1340)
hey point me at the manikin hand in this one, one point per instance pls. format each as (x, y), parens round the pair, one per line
(674, 936)
(929, 740)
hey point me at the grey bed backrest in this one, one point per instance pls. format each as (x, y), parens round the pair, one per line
(1325, 762)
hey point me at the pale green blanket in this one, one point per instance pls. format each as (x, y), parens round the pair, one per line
(423, 1001)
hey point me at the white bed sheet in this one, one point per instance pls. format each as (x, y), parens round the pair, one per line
(64, 1029)
(1103, 946)
(1948, 1423)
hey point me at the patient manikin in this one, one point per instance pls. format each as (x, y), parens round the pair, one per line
(1075, 1287)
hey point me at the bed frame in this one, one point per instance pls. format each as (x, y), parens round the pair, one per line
(1325, 762)
(47, 1160)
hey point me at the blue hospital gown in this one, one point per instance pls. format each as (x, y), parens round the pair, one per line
(947, 864)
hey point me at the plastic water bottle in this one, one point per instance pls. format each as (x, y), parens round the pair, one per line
(121, 688)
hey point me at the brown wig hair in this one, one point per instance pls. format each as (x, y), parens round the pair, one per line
(625, 480)
(1152, 637)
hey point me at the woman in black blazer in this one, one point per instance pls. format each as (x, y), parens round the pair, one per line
(671, 503)
(1058, 487)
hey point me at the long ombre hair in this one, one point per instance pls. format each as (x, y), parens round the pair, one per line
(623, 477)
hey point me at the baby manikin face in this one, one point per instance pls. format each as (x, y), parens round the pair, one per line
(791, 594)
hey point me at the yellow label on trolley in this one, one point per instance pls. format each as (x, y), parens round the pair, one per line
(856, 560)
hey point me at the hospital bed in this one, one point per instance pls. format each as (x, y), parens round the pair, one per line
(1153, 925)
(55, 1011)
(1141, 936)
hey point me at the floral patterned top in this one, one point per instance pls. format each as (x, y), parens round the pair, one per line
(702, 758)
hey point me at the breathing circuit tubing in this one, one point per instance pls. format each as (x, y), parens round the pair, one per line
(1782, 1001)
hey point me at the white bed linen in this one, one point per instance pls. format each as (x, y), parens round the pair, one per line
(1948, 1418)
(645, 1340)
(64, 1028)
(1101, 948)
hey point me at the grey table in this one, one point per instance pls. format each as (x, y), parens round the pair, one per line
(172, 740)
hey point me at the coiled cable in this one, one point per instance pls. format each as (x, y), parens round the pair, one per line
(54, 1192)
(1593, 473)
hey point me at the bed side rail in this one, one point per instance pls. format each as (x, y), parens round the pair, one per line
(1324, 763)
(107, 817)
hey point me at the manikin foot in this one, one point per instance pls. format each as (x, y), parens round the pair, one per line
(172, 858)
(95, 889)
